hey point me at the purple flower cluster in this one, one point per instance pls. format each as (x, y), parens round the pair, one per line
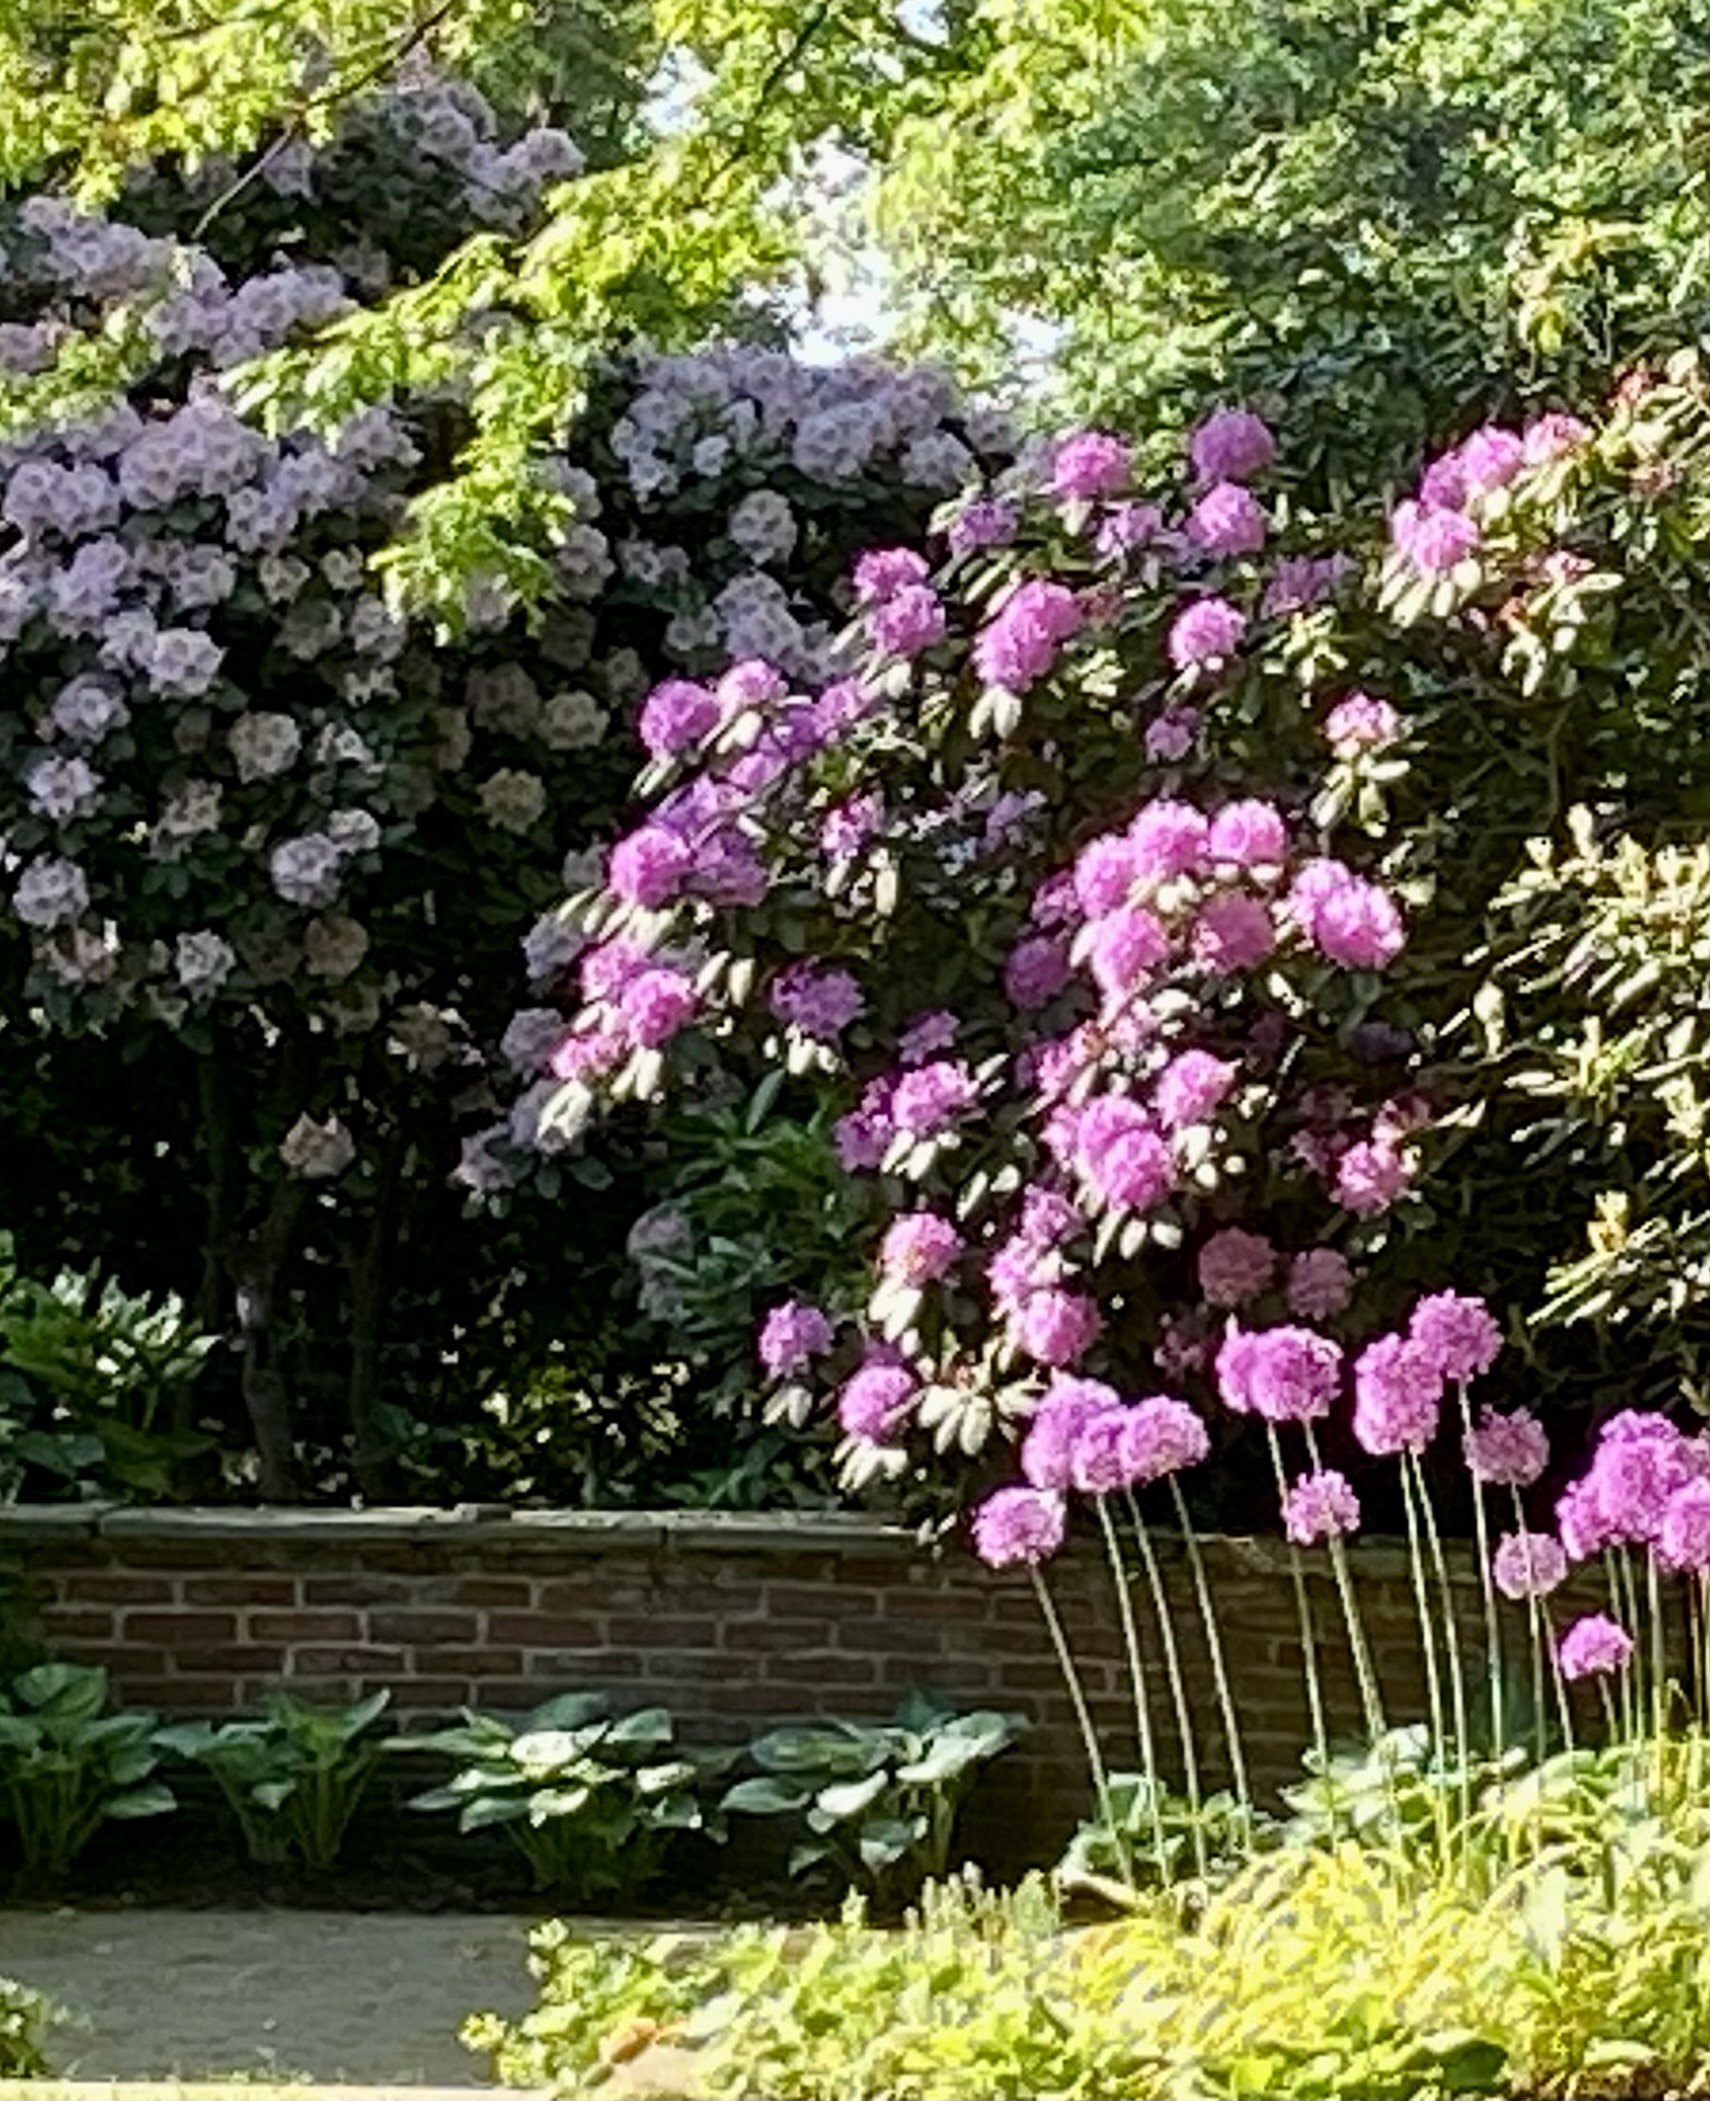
(919, 1247)
(791, 1336)
(1282, 1375)
(820, 1002)
(1528, 1565)
(1594, 1647)
(1019, 1527)
(1021, 642)
(1320, 1506)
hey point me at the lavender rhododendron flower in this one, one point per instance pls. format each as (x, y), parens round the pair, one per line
(1191, 1088)
(983, 523)
(654, 1005)
(821, 1003)
(874, 1402)
(1398, 1397)
(1168, 839)
(1124, 1161)
(1228, 520)
(926, 1036)
(1057, 1328)
(1037, 970)
(791, 1336)
(1370, 1176)
(1506, 1451)
(882, 572)
(1361, 722)
(1528, 1565)
(909, 621)
(649, 867)
(1233, 933)
(1320, 1506)
(1248, 835)
(929, 1099)
(1433, 541)
(1123, 950)
(1594, 1647)
(1105, 872)
(1231, 445)
(1282, 1375)
(1018, 1527)
(1359, 926)
(676, 716)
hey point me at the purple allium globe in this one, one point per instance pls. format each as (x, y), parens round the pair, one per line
(1528, 1565)
(1594, 1647)
(1018, 1527)
(1398, 1397)
(1235, 1266)
(1684, 1541)
(1320, 1506)
(1506, 1451)
(1282, 1375)
(1457, 1334)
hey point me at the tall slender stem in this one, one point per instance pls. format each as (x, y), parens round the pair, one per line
(1308, 1638)
(1137, 1677)
(1428, 1645)
(1371, 1699)
(1173, 1671)
(1214, 1650)
(1451, 1635)
(1632, 1693)
(1492, 1625)
(1535, 1629)
(1659, 1672)
(1083, 1718)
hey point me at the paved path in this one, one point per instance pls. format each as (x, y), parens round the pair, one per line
(370, 2000)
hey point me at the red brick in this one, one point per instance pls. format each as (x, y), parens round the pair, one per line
(508, 1592)
(426, 1626)
(589, 1596)
(358, 1587)
(541, 1630)
(306, 1661)
(67, 1623)
(663, 1633)
(231, 1660)
(305, 1626)
(820, 1602)
(479, 1660)
(821, 1670)
(108, 1588)
(240, 1590)
(179, 1629)
(571, 1672)
(422, 1695)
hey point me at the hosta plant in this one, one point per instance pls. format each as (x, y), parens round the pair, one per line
(67, 1765)
(878, 1804)
(294, 1777)
(592, 1801)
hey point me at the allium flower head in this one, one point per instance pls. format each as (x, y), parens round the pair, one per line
(1684, 1541)
(1457, 1335)
(1231, 445)
(1320, 1284)
(1594, 1647)
(1506, 1451)
(1398, 1393)
(1320, 1506)
(791, 1336)
(1282, 1375)
(1640, 1462)
(919, 1248)
(1206, 632)
(1235, 1266)
(1528, 1565)
(1018, 1527)
(1098, 1461)
(1162, 1436)
(1091, 463)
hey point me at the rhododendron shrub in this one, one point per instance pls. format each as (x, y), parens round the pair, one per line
(1092, 994)
(253, 813)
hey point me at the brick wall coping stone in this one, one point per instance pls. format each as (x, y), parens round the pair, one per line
(781, 1532)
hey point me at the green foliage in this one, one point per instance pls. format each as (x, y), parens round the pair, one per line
(879, 1804)
(1105, 1850)
(1318, 1974)
(67, 1766)
(96, 1384)
(591, 1801)
(294, 1778)
(26, 2019)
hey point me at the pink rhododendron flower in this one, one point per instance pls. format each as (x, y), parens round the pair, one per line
(1021, 641)
(929, 1099)
(791, 1336)
(675, 716)
(1192, 1087)
(649, 867)
(1233, 933)
(1124, 950)
(1206, 632)
(874, 1403)
(1168, 839)
(821, 1003)
(1248, 835)
(1125, 1162)
(654, 1005)
(1359, 926)
(882, 572)
(982, 523)
(1370, 1176)
(1105, 871)
(1057, 1328)
(926, 1036)
(1037, 970)
(909, 621)
(1433, 541)
(1091, 463)
(1361, 722)
(919, 1248)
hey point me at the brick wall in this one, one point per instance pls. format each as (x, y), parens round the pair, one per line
(732, 1622)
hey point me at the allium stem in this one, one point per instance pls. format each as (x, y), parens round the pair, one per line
(1083, 1717)
(1308, 1638)
(1628, 1614)
(1659, 1669)
(1173, 1671)
(1428, 1645)
(1137, 1677)
(1492, 1624)
(1214, 1650)
(1535, 1628)
(1371, 1699)
(1451, 1635)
